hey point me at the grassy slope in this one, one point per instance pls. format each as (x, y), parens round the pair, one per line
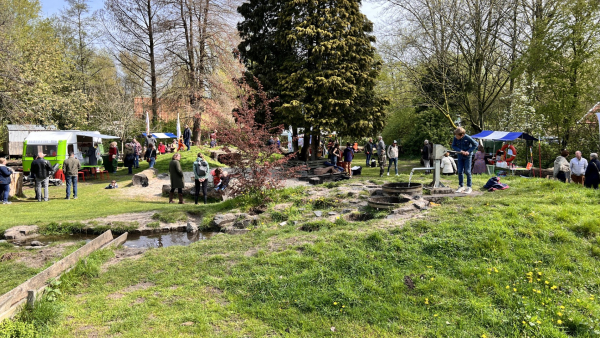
(470, 260)
(93, 200)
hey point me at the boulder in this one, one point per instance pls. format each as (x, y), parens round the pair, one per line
(191, 227)
(143, 178)
(20, 232)
(318, 213)
(37, 243)
(421, 204)
(234, 221)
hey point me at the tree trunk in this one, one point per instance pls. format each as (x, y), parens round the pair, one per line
(153, 82)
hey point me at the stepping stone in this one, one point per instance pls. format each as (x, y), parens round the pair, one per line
(318, 213)
(346, 211)
(331, 213)
(282, 223)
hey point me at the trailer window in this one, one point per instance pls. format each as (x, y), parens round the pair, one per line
(48, 149)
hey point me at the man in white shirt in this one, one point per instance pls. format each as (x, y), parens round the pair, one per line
(578, 166)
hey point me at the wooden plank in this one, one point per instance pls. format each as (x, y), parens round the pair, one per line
(16, 295)
(116, 242)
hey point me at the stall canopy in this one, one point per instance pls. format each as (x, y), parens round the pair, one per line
(162, 135)
(503, 136)
(95, 134)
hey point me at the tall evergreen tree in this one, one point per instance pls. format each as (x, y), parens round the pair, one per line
(317, 55)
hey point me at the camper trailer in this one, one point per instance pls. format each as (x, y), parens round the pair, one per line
(58, 144)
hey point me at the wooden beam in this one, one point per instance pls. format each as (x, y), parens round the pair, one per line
(14, 297)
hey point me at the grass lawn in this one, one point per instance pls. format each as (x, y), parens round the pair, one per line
(517, 263)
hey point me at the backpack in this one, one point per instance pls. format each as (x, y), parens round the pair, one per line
(201, 168)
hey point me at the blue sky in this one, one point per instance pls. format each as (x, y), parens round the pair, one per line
(50, 7)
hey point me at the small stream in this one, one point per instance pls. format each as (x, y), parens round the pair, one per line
(157, 240)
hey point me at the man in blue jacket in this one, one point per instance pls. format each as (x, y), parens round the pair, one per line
(465, 146)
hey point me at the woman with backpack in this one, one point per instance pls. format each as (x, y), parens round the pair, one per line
(562, 167)
(348, 156)
(201, 172)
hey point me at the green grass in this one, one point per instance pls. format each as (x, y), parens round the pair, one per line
(516, 263)
(187, 159)
(170, 216)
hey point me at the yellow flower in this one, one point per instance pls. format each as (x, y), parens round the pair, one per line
(435, 315)
(537, 321)
(554, 287)
(429, 266)
(508, 287)
(343, 305)
(559, 314)
(426, 300)
(546, 282)
(334, 303)
(539, 273)
(559, 322)
(514, 290)
(578, 301)
(562, 307)
(524, 323)
(431, 278)
(495, 270)
(483, 336)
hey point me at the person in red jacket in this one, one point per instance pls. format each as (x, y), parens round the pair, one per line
(161, 148)
(113, 153)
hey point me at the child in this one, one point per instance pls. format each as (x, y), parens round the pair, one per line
(112, 185)
(161, 148)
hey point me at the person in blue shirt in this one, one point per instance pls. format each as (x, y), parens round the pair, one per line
(465, 146)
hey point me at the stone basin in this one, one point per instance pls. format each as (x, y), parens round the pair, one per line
(395, 189)
(386, 202)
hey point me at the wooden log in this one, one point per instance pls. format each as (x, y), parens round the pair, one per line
(16, 296)
(16, 185)
(116, 242)
(145, 176)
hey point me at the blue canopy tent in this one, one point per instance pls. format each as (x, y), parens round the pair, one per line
(503, 136)
(162, 135)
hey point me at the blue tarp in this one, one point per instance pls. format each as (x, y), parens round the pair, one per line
(503, 136)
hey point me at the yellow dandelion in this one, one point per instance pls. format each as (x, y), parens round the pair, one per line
(514, 290)
(431, 278)
(343, 305)
(426, 300)
(559, 314)
(559, 322)
(554, 287)
(435, 315)
(495, 270)
(508, 287)
(334, 303)
(429, 266)
(539, 273)
(537, 321)
(546, 282)
(562, 307)
(524, 323)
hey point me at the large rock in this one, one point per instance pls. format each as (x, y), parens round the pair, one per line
(20, 232)
(144, 177)
(228, 223)
(191, 227)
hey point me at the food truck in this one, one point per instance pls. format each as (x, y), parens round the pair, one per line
(58, 144)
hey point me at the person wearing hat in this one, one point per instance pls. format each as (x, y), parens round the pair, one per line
(40, 169)
(392, 154)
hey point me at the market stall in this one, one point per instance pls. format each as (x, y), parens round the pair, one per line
(56, 145)
(505, 156)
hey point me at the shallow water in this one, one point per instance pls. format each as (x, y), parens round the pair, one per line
(161, 240)
(158, 240)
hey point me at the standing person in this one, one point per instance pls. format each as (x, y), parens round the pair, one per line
(137, 152)
(479, 167)
(187, 137)
(176, 175)
(150, 140)
(40, 169)
(448, 166)
(381, 154)
(348, 156)
(201, 172)
(562, 168)
(150, 156)
(113, 156)
(129, 157)
(369, 151)
(71, 168)
(425, 153)
(5, 173)
(392, 153)
(330, 150)
(464, 145)
(213, 139)
(335, 154)
(592, 173)
(93, 155)
(578, 166)
(180, 145)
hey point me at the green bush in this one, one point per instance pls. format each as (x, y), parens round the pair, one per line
(278, 216)
(587, 228)
(17, 329)
(596, 251)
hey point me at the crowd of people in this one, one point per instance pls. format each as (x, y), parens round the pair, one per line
(201, 172)
(578, 170)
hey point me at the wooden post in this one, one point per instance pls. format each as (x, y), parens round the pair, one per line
(16, 185)
(30, 299)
